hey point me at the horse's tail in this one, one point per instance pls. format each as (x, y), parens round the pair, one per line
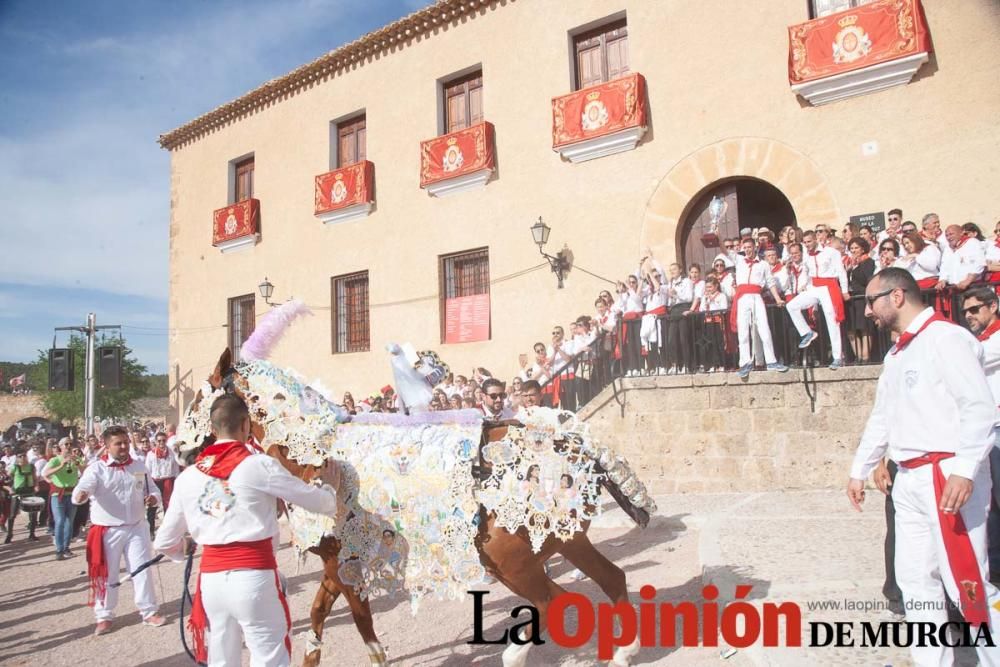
(624, 486)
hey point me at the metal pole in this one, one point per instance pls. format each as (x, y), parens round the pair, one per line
(89, 390)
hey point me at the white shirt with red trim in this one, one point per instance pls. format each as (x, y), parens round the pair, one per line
(162, 468)
(754, 272)
(713, 303)
(117, 493)
(927, 263)
(932, 397)
(967, 259)
(241, 509)
(826, 263)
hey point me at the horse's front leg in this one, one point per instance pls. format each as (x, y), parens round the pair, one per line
(321, 606)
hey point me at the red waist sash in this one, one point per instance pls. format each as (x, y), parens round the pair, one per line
(97, 565)
(659, 310)
(928, 283)
(634, 315)
(258, 555)
(741, 291)
(832, 286)
(961, 557)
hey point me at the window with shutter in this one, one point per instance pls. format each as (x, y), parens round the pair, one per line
(351, 141)
(351, 329)
(463, 102)
(601, 54)
(244, 180)
(241, 322)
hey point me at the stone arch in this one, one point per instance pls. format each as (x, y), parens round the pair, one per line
(787, 169)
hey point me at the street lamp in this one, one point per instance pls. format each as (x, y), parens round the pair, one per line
(266, 290)
(558, 263)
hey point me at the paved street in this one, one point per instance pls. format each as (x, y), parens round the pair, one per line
(801, 547)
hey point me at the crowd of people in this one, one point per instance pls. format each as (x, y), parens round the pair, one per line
(38, 475)
(732, 315)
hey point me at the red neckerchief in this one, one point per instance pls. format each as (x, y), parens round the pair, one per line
(990, 330)
(219, 460)
(906, 337)
(777, 267)
(161, 454)
(116, 464)
(962, 243)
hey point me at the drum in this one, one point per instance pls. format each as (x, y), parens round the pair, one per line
(32, 504)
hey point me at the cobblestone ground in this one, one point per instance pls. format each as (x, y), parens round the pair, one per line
(792, 546)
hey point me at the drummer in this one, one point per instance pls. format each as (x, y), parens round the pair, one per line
(23, 474)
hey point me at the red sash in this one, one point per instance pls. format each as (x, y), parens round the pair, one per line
(258, 555)
(961, 557)
(906, 337)
(832, 286)
(659, 310)
(219, 460)
(993, 276)
(97, 565)
(927, 283)
(741, 291)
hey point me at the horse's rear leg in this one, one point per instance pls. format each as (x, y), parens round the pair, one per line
(362, 613)
(611, 578)
(322, 604)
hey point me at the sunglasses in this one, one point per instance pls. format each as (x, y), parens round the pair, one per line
(496, 396)
(886, 249)
(875, 297)
(557, 333)
(973, 310)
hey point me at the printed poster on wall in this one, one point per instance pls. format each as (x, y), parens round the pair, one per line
(467, 319)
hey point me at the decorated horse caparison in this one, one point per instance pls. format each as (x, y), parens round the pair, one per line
(431, 502)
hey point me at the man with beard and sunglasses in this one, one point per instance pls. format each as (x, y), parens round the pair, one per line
(934, 416)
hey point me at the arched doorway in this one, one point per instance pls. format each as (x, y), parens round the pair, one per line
(739, 203)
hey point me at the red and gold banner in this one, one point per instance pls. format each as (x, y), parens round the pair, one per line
(347, 186)
(456, 154)
(235, 221)
(874, 33)
(467, 319)
(599, 110)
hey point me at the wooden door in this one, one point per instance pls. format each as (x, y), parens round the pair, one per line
(695, 251)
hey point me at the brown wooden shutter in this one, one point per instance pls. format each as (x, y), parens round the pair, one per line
(244, 180)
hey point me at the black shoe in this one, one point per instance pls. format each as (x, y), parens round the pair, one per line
(68, 553)
(32, 537)
(8, 538)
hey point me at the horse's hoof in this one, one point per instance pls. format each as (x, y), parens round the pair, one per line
(377, 655)
(624, 654)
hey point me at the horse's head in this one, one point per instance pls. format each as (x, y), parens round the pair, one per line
(195, 431)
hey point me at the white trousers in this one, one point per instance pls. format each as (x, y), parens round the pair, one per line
(922, 569)
(752, 312)
(809, 299)
(132, 542)
(246, 606)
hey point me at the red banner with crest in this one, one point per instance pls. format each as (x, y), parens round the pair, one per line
(457, 154)
(599, 110)
(856, 38)
(235, 221)
(347, 186)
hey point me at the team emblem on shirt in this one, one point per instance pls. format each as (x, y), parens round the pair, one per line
(595, 114)
(970, 589)
(453, 158)
(216, 499)
(205, 464)
(911, 377)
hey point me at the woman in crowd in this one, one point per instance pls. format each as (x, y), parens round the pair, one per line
(62, 475)
(630, 301)
(921, 259)
(349, 405)
(888, 254)
(993, 256)
(714, 304)
(859, 274)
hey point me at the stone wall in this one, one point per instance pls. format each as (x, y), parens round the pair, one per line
(796, 430)
(16, 408)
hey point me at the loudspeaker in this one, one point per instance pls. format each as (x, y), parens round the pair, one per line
(109, 367)
(61, 369)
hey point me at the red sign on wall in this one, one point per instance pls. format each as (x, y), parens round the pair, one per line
(874, 33)
(467, 319)
(599, 110)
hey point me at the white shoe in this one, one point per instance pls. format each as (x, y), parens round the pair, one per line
(661, 371)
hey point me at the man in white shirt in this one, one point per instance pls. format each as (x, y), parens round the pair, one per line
(828, 290)
(748, 311)
(494, 394)
(227, 501)
(979, 306)
(930, 228)
(893, 226)
(163, 469)
(119, 490)
(964, 263)
(934, 415)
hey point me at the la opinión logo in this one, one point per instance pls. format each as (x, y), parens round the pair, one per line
(739, 623)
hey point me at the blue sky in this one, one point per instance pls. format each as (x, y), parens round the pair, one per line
(85, 90)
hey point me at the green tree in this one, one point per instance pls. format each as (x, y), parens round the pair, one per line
(68, 406)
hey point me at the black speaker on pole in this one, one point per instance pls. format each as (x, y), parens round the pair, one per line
(109, 367)
(61, 369)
